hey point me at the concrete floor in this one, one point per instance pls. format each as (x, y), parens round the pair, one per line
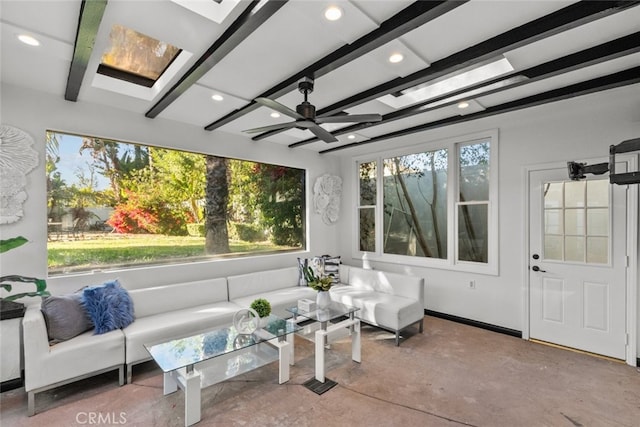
(451, 375)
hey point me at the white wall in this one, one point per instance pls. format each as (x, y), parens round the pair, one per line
(574, 129)
(35, 112)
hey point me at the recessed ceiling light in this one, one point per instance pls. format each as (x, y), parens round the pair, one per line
(396, 57)
(463, 104)
(352, 136)
(275, 115)
(333, 13)
(217, 97)
(30, 40)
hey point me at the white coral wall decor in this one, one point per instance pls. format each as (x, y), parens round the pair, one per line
(17, 159)
(326, 197)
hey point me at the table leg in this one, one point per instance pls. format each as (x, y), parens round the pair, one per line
(284, 362)
(356, 342)
(320, 342)
(291, 342)
(191, 398)
(170, 383)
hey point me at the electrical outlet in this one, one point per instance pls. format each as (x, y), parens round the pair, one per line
(472, 284)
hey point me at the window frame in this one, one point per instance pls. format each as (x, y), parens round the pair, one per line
(453, 176)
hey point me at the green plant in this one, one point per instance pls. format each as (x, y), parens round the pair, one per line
(261, 306)
(41, 284)
(316, 282)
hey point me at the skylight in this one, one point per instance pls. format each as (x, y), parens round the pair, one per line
(135, 57)
(449, 84)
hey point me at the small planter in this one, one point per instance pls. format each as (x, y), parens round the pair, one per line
(323, 300)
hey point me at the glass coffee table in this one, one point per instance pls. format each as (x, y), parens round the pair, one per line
(323, 330)
(200, 360)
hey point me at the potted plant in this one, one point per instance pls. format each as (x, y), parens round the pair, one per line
(262, 307)
(320, 284)
(8, 306)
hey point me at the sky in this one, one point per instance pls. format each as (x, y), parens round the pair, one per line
(71, 160)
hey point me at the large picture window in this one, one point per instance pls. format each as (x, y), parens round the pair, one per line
(115, 205)
(431, 207)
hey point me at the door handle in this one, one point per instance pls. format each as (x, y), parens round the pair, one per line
(536, 268)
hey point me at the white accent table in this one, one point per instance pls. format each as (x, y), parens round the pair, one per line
(322, 331)
(198, 361)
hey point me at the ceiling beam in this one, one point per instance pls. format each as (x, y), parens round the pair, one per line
(569, 17)
(619, 79)
(251, 18)
(572, 16)
(410, 18)
(91, 12)
(608, 51)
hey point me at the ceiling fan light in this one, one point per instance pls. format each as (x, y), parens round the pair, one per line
(333, 13)
(396, 57)
(29, 40)
(217, 97)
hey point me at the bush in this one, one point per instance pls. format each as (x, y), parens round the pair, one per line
(195, 229)
(249, 232)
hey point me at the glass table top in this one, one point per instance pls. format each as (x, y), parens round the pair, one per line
(334, 311)
(179, 353)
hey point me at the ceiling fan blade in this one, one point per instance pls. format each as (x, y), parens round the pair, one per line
(274, 105)
(350, 118)
(279, 126)
(321, 133)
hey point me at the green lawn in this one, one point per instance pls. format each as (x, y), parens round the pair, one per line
(112, 250)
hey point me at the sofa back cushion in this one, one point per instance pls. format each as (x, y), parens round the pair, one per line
(160, 299)
(388, 283)
(262, 281)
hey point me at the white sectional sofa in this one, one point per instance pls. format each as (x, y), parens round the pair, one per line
(46, 366)
(280, 287)
(172, 311)
(387, 300)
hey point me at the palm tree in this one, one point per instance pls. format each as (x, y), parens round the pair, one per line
(216, 203)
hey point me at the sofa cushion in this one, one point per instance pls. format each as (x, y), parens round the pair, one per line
(317, 267)
(161, 299)
(280, 299)
(377, 308)
(109, 306)
(174, 324)
(260, 282)
(65, 316)
(332, 267)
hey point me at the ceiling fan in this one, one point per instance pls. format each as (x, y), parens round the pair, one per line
(305, 115)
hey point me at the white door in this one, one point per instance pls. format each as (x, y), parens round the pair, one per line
(578, 262)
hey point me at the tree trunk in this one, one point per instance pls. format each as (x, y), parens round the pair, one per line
(412, 210)
(216, 201)
(434, 205)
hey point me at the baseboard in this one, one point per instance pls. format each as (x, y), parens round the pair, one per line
(10, 385)
(488, 326)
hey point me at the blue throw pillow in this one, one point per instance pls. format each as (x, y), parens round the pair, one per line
(109, 306)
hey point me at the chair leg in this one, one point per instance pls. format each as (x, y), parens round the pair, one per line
(31, 403)
(129, 373)
(421, 325)
(121, 373)
(397, 338)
